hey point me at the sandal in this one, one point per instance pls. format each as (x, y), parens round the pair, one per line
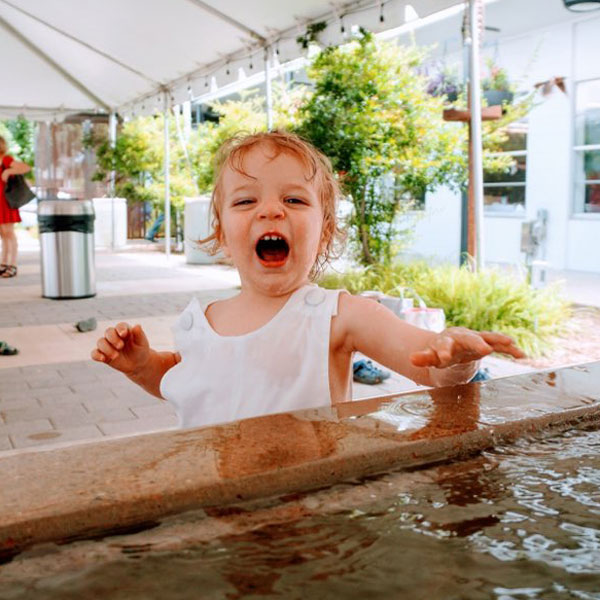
(8, 271)
(3, 268)
(6, 350)
(365, 372)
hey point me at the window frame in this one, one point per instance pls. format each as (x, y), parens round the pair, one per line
(510, 215)
(577, 208)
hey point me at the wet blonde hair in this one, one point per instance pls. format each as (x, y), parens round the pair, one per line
(232, 153)
(3, 146)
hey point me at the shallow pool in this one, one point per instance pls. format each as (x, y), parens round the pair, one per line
(521, 522)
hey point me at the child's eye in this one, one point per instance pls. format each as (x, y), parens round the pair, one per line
(294, 200)
(243, 202)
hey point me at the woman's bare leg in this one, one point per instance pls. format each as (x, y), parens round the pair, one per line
(9, 244)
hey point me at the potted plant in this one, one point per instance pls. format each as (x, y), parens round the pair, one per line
(445, 83)
(497, 89)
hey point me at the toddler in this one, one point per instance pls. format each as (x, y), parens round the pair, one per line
(282, 343)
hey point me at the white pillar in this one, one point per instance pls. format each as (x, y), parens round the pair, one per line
(112, 139)
(268, 90)
(166, 173)
(186, 109)
(475, 18)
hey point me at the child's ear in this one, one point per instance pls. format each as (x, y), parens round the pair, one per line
(222, 243)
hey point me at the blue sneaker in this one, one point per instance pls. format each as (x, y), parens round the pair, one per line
(365, 372)
(481, 375)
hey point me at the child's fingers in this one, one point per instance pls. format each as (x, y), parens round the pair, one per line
(445, 348)
(104, 346)
(510, 349)
(98, 356)
(113, 337)
(425, 358)
(492, 338)
(502, 343)
(123, 329)
(138, 336)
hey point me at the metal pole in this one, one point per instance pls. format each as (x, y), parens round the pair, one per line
(464, 197)
(167, 191)
(476, 16)
(112, 139)
(268, 89)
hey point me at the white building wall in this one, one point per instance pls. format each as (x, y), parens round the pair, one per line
(570, 50)
(437, 228)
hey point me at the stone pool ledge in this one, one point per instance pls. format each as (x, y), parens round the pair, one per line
(121, 485)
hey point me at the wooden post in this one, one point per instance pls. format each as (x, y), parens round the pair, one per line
(488, 113)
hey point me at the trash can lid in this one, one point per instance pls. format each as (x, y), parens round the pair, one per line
(65, 207)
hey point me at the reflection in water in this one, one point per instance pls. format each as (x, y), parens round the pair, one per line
(454, 410)
(261, 445)
(439, 412)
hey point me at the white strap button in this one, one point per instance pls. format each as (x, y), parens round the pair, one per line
(314, 297)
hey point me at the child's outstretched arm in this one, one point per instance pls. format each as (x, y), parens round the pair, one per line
(447, 358)
(127, 349)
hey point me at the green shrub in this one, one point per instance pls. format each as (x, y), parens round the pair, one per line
(486, 301)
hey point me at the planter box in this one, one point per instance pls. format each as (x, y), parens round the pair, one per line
(498, 97)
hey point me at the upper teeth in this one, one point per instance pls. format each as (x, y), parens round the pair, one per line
(271, 237)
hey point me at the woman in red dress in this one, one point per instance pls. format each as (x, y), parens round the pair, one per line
(8, 216)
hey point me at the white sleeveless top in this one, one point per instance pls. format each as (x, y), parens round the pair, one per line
(282, 366)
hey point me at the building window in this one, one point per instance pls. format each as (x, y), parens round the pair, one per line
(587, 147)
(504, 193)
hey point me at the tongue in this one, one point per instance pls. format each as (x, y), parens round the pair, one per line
(273, 254)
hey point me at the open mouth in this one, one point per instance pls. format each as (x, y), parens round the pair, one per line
(272, 250)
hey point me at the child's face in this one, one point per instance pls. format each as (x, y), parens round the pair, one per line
(271, 221)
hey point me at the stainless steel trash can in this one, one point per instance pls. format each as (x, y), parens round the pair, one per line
(67, 248)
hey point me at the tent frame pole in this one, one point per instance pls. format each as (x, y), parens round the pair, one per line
(268, 91)
(112, 140)
(166, 175)
(475, 17)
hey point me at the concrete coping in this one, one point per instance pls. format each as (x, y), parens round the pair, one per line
(94, 489)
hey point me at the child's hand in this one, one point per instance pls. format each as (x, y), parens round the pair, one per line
(123, 347)
(457, 345)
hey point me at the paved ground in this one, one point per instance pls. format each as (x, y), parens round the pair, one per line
(52, 393)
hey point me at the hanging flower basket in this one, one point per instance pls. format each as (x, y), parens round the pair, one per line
(444, 83)
(498, 97)
(497, 88)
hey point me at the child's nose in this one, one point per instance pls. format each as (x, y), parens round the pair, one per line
(271, 210)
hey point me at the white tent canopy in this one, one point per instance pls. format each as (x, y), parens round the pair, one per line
(64, 56)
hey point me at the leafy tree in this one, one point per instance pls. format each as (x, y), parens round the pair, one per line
(371, 114)
(20, 136)
(244, 115)
(138, 162)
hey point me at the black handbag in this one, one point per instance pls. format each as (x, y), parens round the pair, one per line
(17, 192)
